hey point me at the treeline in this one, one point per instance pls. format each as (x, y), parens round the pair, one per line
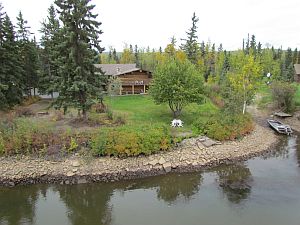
(63, 61)
(19, 60)
(213, 61)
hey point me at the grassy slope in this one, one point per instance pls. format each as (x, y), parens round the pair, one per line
(140, 109)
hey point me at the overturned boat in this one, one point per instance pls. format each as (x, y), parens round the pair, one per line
(280, 127)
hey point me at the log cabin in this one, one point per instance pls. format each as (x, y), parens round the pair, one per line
(297, 73)
(134, 80)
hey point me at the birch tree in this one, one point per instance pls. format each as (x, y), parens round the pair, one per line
(244, 78)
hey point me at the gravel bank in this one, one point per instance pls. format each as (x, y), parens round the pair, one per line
(190, 155)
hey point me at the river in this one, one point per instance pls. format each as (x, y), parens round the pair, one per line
(261, 191)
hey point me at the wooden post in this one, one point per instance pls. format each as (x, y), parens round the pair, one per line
(144, 89)
(132, 89)
(120, 90)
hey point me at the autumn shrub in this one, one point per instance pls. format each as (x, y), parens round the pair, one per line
(23, 136)
(225, 126)
(130, 141)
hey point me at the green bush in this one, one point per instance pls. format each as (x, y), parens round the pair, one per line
(283, 94)
(224, 126)
(130, 141)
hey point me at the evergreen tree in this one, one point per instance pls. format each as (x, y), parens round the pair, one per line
(136, 56)
(247, 49)
(29, 56)
(10, 66)
(259, 48)
(160, 50)
(115, 56)
(202, 49)
(3, 86)
(49, 41)
(79, 86)
(220, 48)
(295, 56)
(288, 67)
(253, 44)
(190, 45)
(110, 57)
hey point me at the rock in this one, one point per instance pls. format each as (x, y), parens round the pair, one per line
(161, 161)
(82, 181)
(167, 167)
(123, 173)
(76, 164)
(67, 182)
(75, 170)
(208, 143)
(11, 184)
(194, 164)
(70, 174)
(153, 162)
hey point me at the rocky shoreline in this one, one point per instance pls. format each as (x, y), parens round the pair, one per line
(189, 156)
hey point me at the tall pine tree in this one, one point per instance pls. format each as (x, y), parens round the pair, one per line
(49, 53)
(28, 52)
(79, 86)
(11, 66)
(190, 45)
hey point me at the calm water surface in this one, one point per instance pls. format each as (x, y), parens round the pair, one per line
(261, 191)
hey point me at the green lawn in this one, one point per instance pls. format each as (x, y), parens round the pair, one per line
(141, 109)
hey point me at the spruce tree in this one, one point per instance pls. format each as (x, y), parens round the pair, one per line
(11, 66)
(295, 56)
(253, 44)
(27, 50)
(190, 45)
(79, 86)
(3, 86)
(49, 41)
(115, 56)
(136, 56)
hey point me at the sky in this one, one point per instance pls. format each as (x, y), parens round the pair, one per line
(153, 23)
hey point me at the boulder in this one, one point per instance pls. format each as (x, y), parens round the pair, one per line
(76, 163)
(161, 161)
(167, 167)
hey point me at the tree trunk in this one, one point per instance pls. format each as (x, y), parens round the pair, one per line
(176, 113)
(84, 114)
(244, 107)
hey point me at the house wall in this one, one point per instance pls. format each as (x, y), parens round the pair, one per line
(136, 82)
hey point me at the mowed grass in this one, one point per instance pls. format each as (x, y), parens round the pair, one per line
(141, 109)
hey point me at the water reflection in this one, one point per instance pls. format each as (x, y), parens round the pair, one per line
(17, 206)
(297, 152)
(235, 181)
(170, 188)
(87, 204)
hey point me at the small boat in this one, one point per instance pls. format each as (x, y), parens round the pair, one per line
(280, 127)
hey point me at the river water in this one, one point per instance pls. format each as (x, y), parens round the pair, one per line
(261, 191)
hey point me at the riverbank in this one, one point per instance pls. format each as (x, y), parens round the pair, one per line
(190, 155)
